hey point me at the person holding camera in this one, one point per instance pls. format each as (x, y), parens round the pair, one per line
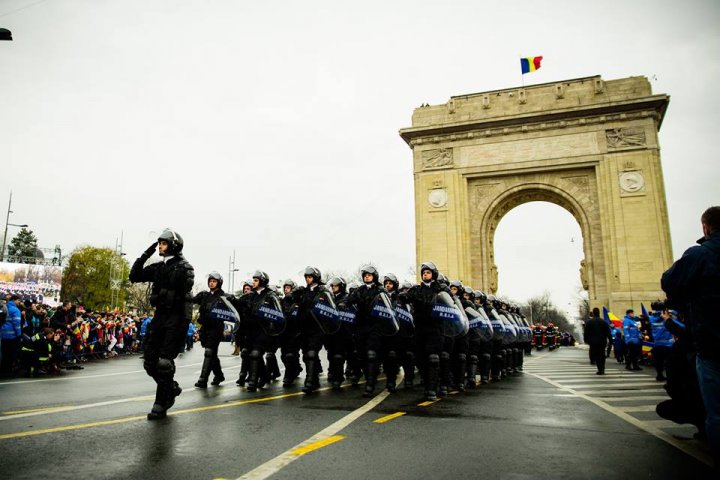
(692, 285)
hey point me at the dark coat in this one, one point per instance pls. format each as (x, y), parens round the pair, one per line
(692, 285)
(597, 332)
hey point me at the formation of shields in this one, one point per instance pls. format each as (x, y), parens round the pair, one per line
(439, 333)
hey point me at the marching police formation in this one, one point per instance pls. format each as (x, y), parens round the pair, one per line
(451, 335)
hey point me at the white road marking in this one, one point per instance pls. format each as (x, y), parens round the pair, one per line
(649, 426)
(83, 377)
(273, 466)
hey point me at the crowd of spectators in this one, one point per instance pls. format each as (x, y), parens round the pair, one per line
(38, 339)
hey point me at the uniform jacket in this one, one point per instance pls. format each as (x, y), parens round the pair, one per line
(631, 330)
(661, 336)
(10, 330)
(597, 332)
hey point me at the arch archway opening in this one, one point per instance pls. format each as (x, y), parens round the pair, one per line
(538, 248)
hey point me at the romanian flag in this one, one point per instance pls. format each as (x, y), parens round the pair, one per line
(610, 318)
(647, 347)
(530, 64)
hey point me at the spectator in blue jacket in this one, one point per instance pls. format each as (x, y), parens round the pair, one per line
(190, 336)
(633, 340)
(662, 343)
(10, 333)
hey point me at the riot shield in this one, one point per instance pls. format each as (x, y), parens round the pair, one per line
(405, 320)
(497, 325)
(223, 311)
(383, 315)
(270, 316)
(324, 312)
(347, 314)
(480, 323)
(511, 333)
(454, 321)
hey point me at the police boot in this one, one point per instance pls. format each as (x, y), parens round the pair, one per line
(409, 369)
(290, 361)
(432, 372)
(273, 369)
(472, 372)
(244, 365)
(206, 368)
(166, 390)
(370, 373)
(444, 374)
(391, 371)
(336, 371)
(263, 378)
(460, 367)
(254, 373)
(311, 372)
(218, 376)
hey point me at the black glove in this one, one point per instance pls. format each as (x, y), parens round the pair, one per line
(151, 249)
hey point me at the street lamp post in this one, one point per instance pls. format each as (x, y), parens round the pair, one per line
(7, 224)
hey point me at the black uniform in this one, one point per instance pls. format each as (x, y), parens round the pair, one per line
(371, 345)
(172, 281)
(428, 332)
(211, 334)
(312, 336)
(289, 341)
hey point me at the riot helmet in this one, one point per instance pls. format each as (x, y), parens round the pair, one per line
(429, 266)
(442, 279)
(369, 270)
(469, 292)
(217, 277)
(314, 273)
(174, 241)
(406, 285)
(262, 278)
(391, 278)
(457, 284)
(337, 282)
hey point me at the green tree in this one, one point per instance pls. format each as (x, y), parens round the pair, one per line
(23, 247)
(86, 277)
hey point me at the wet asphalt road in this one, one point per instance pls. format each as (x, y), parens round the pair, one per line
(91, 424)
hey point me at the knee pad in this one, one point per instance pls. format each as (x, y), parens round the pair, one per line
(474, 359)
(371, 355)
(269, 355)
(289, 357)
(462, 357)
(434, 359)
(165, 366)
(255, 355)
(309, 356)
(486, 357)
(209, 353)
(392, 355)
(410, 356)
(338, 357)
(445, 356)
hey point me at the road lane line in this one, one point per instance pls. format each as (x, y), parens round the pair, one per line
(317, 445)
(387, 418)
(649, 428)
(276, 464)
(83, 377)
(428, 403)
(638, 408)
(32, 410)
(143, 417)
(49, 410)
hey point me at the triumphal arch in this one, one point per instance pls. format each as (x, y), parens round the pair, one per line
(587, 145)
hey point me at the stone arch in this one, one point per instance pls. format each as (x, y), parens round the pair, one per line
(588, 145)
(518, 195)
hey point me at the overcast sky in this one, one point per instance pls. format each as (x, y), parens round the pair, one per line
(272, 127)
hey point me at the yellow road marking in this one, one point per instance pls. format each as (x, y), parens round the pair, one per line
(428, 403)
(142, 417)
(454, 392)
(387, 418)
(44, 409)
(317, 445)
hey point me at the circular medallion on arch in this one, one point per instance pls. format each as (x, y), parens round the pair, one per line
(438, 197)
(632, 182)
